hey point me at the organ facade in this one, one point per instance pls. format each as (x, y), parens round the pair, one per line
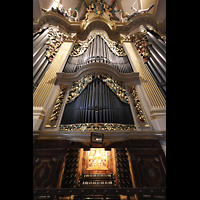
(99, 101)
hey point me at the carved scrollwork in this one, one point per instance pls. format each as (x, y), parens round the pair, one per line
(56, 38)
(57, 106)
(97, 127)
(81, 46)
(138, 108)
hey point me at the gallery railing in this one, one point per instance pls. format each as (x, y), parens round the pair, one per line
(97, 193)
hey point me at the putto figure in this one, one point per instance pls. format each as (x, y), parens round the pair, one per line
(136, 12)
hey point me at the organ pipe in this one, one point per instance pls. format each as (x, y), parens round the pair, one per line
(157, 42)
(157, 58)
(97, 104)
(157, 49)
(98, 51)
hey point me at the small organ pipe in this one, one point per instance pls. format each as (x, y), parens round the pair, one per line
(103, 54)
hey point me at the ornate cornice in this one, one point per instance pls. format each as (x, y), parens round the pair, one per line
(113, 29)
(93, 68)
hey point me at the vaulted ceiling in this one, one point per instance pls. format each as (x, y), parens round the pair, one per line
(159, 9)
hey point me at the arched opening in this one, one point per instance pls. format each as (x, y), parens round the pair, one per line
(101, 100)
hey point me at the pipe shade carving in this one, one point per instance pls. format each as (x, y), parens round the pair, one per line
(98, 49)
(116, 87)
(97, 104)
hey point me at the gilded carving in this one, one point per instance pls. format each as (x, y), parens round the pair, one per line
(78, 86)
(81, 46)
(57, 106)
(97, 127)
(98, 7)
(141, 43)
(163, 36)
(101, 11)
(116, 87)
(125, 38)
(141, 118)
(56, 38)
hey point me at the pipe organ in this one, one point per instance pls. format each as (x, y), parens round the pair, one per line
(106, 77)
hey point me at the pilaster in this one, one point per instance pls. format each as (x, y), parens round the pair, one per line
(155, 102)
(44, 91)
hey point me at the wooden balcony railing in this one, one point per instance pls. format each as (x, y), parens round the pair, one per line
(100, 194)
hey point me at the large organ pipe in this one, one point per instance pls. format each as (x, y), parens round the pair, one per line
(158, 69)
(42, 71)
(162, 42)
(37, 48)
(36, 36)
(40, 37)
(39, 64)
(157, 57)
(41, 53)
(156, 41)
(157, 49)
(97, 46)
(154, 73)
(156, 77)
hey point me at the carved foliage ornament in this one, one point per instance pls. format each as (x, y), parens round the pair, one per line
(81, 46)
(56, 38)
(99, 8)
(141, 118)
(97, 127)
(116, 87)
(57, 106)
(141, 43)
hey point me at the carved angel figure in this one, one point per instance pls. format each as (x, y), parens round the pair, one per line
(60, 9)
(89, 10)
(136, 12)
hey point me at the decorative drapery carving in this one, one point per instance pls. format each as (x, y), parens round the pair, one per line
(97, 127)
(116, 86)
(78, 86)
(81, 46)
